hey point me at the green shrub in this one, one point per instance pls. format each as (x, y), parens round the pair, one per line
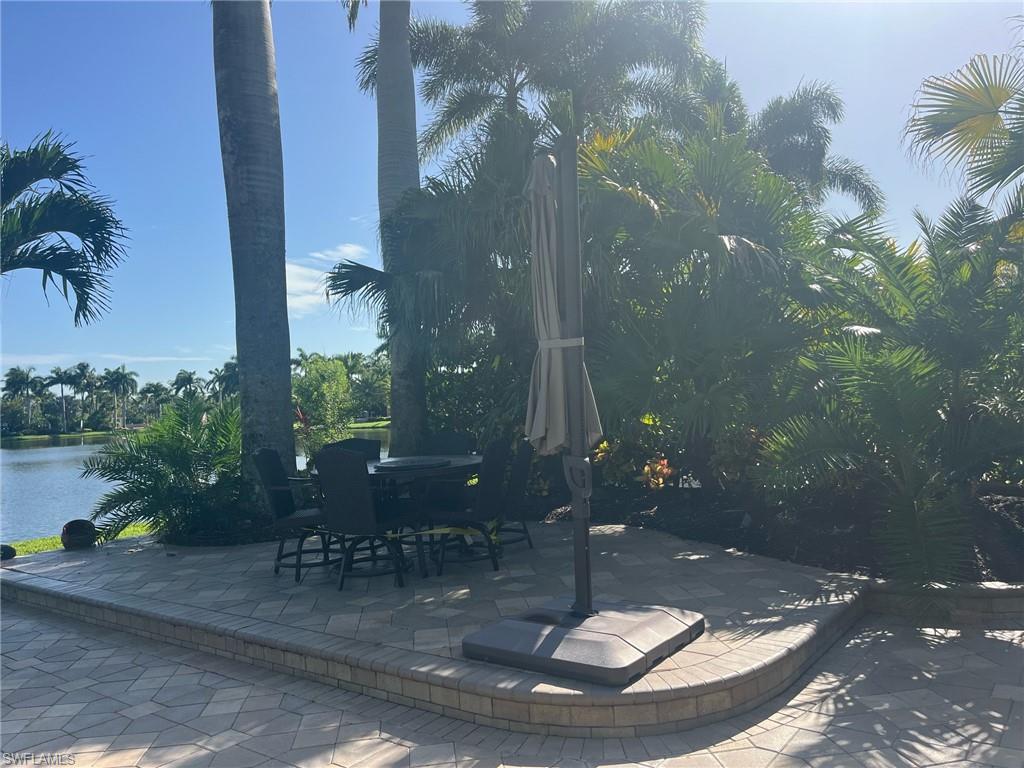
(181, 476)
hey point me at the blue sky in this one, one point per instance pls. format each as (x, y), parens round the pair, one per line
(132, 84)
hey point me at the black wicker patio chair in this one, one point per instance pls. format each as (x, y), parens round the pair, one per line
(513, 528)
(366, 518)
(291, 522)
(478, 510)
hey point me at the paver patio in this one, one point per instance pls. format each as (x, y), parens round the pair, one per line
(887, 694)
(766, 621)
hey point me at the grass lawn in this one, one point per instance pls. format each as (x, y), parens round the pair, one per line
(46, 543)
(382, 424)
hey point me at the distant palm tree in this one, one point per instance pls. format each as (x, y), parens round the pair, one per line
(223, 382)
(187, 382)
(59, 377)
(39, 390)
(18, 383)
(250, 143)
(122, 383)
(155, 394)
(792, 133)
(54, 222)
(83, 382)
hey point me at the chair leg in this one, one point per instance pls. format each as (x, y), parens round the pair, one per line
(421, 558)
(346, 565)
(492, 550)
(298, 556)
(441, 553)
(529, 538)
(398, 559)
(280, 554)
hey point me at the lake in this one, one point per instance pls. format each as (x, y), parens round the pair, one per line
(41, 487)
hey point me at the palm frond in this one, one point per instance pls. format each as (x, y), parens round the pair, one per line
(961, 117)
(852, 178)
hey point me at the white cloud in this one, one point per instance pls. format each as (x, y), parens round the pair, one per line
(305, 289)
(153, 358)
(25, 359)
(342, 252)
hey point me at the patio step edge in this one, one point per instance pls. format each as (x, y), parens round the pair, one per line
(485, 694)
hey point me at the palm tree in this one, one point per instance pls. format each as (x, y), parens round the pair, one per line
(58, 378)
(250, 139)
(974, 119)
(187, 382)
(18, 383)
(155, 394)
(398, 172)
(918, 400)
(792, 133)
(122, 383)
(83, 382)
(224, 381)
(55, 222)
(471, 73)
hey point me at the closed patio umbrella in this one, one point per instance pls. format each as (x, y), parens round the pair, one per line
(556, 638)
(561, 412)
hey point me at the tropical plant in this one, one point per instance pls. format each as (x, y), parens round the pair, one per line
(398, 173)
(180, 476)
(914, 401)
(973, 119)
(322, 401)
(369, 382)
(55, 222)
(250, 140)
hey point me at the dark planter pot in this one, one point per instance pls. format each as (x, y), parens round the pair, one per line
(7, 552)
(78, 534)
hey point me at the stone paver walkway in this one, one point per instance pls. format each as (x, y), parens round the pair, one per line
(885, 695)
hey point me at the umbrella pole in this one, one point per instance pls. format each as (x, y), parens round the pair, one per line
(577, 466)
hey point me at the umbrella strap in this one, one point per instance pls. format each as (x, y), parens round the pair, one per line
(560, 343)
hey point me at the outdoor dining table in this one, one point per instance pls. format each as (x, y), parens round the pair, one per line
(408, 468)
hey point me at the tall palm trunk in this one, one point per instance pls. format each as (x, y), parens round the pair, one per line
(63, 410)
(250, 142)
(398, 171)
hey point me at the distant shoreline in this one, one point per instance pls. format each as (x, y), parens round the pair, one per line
(382, 424)
(17, 439)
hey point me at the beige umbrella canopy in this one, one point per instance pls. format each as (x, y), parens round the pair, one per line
(547, 414)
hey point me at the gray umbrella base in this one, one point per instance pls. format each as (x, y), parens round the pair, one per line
(614, 647)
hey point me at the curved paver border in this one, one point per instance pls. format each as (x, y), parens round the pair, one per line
(964, 604)
(727, 685)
